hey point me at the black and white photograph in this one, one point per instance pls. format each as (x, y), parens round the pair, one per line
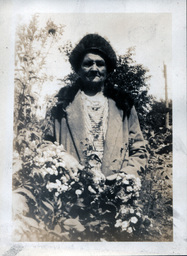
(93, 130)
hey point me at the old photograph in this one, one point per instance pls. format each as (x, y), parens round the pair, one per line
(93, 128)
(92, 158)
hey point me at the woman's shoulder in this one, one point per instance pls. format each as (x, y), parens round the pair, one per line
(64, 97)
(67, 92)
(123, 99)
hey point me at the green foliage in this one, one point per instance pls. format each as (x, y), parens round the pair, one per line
(33, 45)
(66, 49)
(156, 195)
(156, 118)
(133, 79)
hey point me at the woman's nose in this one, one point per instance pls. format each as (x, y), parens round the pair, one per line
(94, 67)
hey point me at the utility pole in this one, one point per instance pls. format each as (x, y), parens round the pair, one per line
(166, 97)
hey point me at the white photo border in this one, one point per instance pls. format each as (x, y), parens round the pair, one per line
(9, 10)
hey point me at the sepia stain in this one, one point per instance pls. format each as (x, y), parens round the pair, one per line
(13, 251)
(141, 34)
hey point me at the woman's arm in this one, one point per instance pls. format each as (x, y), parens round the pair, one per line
(137, 154)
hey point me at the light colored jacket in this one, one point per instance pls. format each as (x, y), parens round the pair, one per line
(124, 144)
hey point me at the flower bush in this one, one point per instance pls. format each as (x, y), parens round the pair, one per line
(84, 207)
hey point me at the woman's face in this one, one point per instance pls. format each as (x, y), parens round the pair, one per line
(93, 70)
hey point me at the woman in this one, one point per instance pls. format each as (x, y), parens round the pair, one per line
(98, 122)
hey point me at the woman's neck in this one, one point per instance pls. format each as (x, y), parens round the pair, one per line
(92, 89)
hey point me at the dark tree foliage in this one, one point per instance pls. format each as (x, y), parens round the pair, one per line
(132, 78)
(156, 118)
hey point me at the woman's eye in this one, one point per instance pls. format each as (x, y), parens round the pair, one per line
(87, 64)
(100, 63)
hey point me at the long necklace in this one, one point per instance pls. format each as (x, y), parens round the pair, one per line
(95, 115)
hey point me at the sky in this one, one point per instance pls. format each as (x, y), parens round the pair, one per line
(149, 33)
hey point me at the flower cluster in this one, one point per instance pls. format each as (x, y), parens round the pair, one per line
(86, 197)
(128, 218)
(129, 187)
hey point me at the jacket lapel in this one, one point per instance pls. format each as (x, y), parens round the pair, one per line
(75, 119)
(114, 130)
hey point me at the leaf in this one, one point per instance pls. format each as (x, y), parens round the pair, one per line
(80, 228)
(48, 205)
(94, 223)
(110, 206)
(17, 165)
(57, 229)
(19, 204)
(30, 222)
(73, 223)
(26, 192)
(80, 204)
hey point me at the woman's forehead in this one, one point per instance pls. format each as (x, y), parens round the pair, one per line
(93, 57)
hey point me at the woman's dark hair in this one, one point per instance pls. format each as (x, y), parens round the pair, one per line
(93, 43)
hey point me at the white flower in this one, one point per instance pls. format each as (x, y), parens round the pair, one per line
(58, 182)
(129, 189)
(64, 179)
(118, 177)
(53, 167)
(131, 211)
(134, 220)
(129, 230)
(52, 153)
(123, 211)
(137, 194)
(44, 173)
(122, 174)
(126, 198)
(50, 186)
(100, 190)
(50, 171)
(78, 192)
(125, 224)
(130, 177)
(55, 162)
(41, 160)
(138, 214)
(58, 151)
(45, 154)
(91, 190)
(118, 223)
(61, 164)
(125, 181)
(57, 194)
(49, 159)
(63, 188)
(27, 151)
